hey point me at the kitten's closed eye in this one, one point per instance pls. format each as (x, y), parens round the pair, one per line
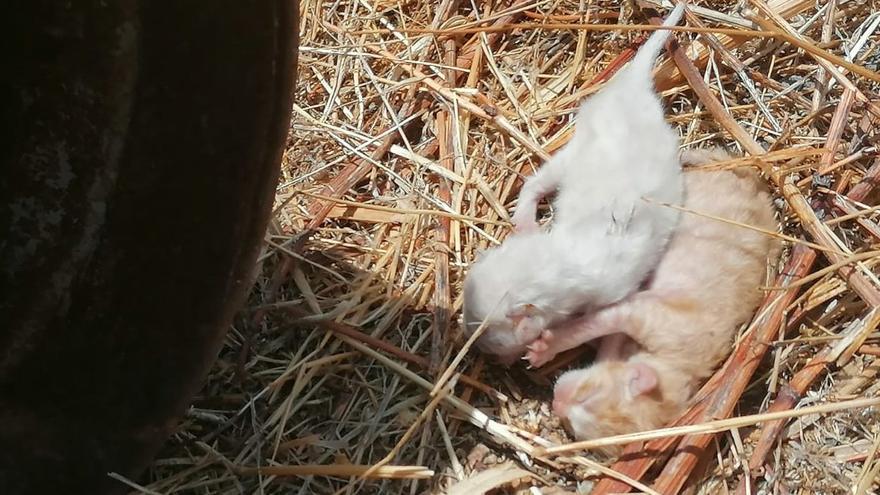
(586, 395)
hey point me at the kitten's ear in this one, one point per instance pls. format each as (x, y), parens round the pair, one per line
(642, 379)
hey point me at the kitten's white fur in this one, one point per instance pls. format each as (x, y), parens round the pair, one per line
(605, 239)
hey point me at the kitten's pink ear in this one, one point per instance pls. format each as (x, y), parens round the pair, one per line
(642, 379)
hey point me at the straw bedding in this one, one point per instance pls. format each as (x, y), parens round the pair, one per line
(413, 125)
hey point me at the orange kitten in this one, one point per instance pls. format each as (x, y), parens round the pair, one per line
(706, 285)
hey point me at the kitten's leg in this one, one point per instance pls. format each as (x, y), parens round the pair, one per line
(568, 336)
(611, 347)
(535, 188)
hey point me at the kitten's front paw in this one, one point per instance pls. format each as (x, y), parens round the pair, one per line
(539, 352)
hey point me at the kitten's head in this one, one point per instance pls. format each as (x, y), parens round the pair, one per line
(608, 398)
(497, 295)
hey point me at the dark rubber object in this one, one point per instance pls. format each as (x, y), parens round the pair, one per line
(139, 150)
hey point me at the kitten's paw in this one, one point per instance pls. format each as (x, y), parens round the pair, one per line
(538, 346)
(538, 359)
(539, 352)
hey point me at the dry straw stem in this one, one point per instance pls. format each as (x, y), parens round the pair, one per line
(761, 161)
(475, 416)
(405, 211)
(342, 470)
(810, 48)
(715, 107)
(858, 194)
(734, 63)
(824, 59)
(473, 49)
(853, 215)
(488, 480)
(770, 233)
(861, 190)
(446, 146)
(838, 122)
(425, 414)
(567, 26)
(352, 174)
(490, 116)
(459, 356)
(709, 427)
(869, 474)
(818, 274)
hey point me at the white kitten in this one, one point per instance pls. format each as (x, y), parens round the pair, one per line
(605, 238)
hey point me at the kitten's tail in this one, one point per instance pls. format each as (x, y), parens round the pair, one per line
(643, 62)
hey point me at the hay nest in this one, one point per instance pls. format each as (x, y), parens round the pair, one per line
(413, 126)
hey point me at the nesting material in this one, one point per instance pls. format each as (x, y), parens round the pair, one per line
(413, 126)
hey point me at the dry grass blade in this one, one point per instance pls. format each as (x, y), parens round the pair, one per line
(350, 175)
(793, 240)
(824, 58)
(342, 470)
(818, 274)
(488, 480)
(709, 427)
(354, 333)
(405, 211)
(555, 26)
(838, 121)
